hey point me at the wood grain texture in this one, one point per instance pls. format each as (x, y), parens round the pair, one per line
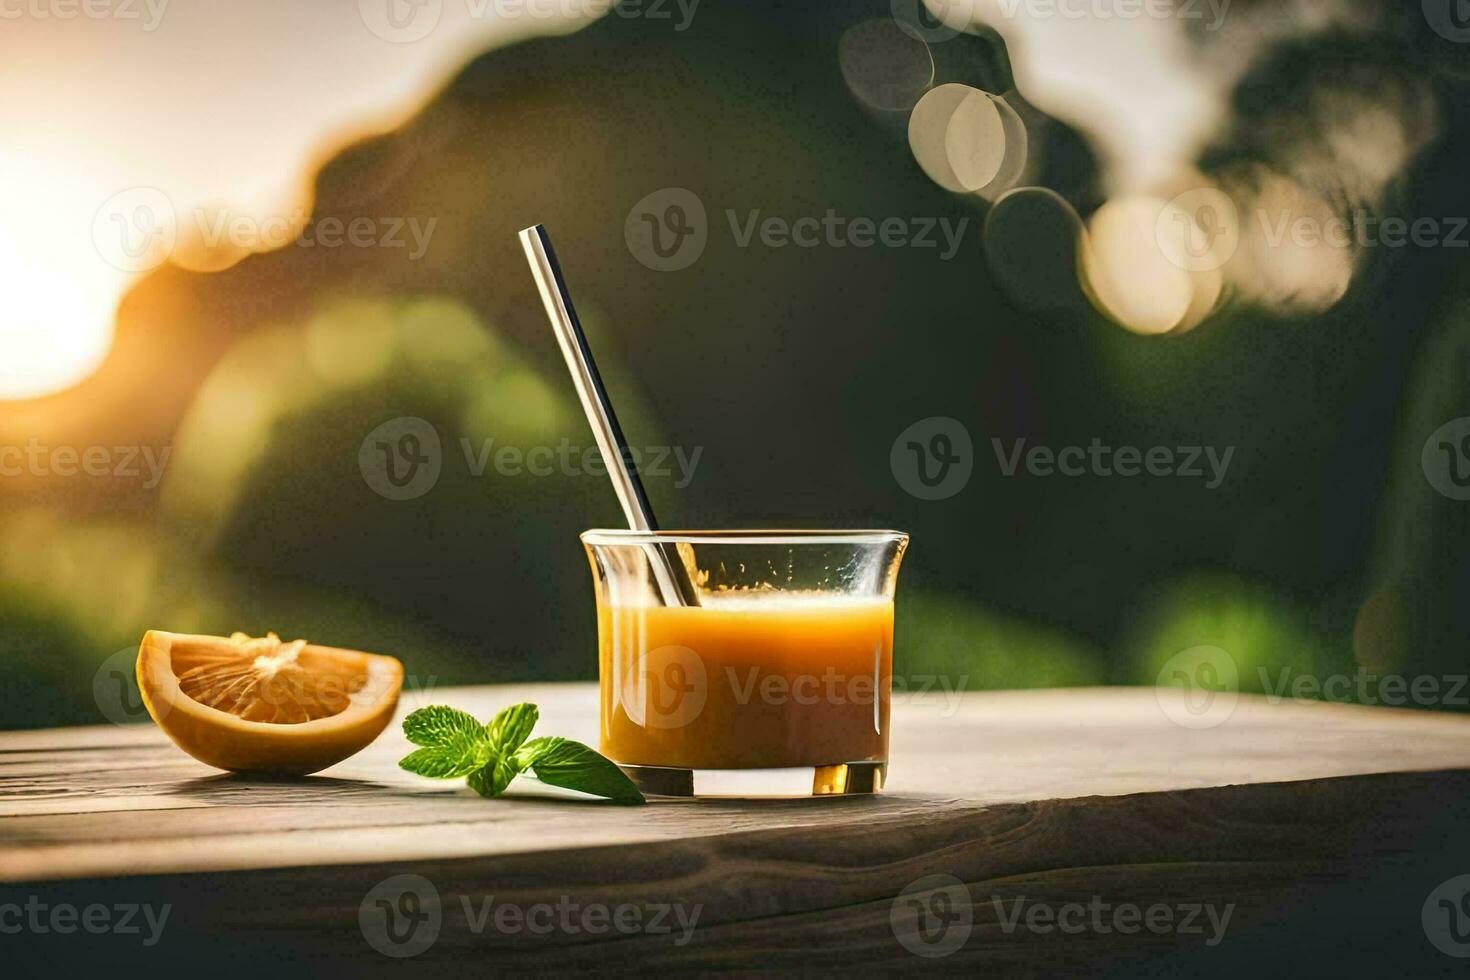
(1286, 813)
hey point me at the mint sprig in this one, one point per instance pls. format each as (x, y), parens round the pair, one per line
(454, 745)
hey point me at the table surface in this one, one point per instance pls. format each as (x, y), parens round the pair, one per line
(1071, 792)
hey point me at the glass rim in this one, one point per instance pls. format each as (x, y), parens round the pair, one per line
(623, 536)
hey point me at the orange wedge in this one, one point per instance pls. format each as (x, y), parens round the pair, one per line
(256, 704)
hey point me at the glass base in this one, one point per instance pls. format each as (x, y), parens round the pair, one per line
(841, 779)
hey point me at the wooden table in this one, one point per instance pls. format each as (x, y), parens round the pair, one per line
(1038, 833)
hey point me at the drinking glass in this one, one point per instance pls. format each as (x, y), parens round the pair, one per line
(776, 682)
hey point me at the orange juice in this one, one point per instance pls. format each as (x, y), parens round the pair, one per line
(747, 680)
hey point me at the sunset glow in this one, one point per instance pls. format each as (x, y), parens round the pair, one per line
(183, 180)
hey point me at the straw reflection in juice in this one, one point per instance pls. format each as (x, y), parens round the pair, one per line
(747, 680)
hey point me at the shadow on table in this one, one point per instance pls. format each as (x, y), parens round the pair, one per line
(259, 789)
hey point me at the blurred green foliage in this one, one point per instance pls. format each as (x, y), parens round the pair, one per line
(1325, 550)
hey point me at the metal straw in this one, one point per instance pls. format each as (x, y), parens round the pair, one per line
(669, 570)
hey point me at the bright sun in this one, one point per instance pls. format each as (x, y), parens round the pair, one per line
(119, 116)
(55, 327)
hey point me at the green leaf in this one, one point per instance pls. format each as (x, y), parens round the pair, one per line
(491, 779)
(438, 724)
(490, 756)
(512, 726)
(572, 765)
(460, 755)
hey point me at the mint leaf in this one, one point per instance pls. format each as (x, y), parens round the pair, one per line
(459, 755)
(504, 771)
(490, 756)
(572, 765)
(491, 779)
(438, 724)
(512, 726)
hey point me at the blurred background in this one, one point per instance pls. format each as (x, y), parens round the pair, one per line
(271, 358)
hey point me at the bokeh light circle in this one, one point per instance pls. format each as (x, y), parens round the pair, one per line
(885, 67)
(967, 140)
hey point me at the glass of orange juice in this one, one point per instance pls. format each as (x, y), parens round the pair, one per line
(775, 683)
